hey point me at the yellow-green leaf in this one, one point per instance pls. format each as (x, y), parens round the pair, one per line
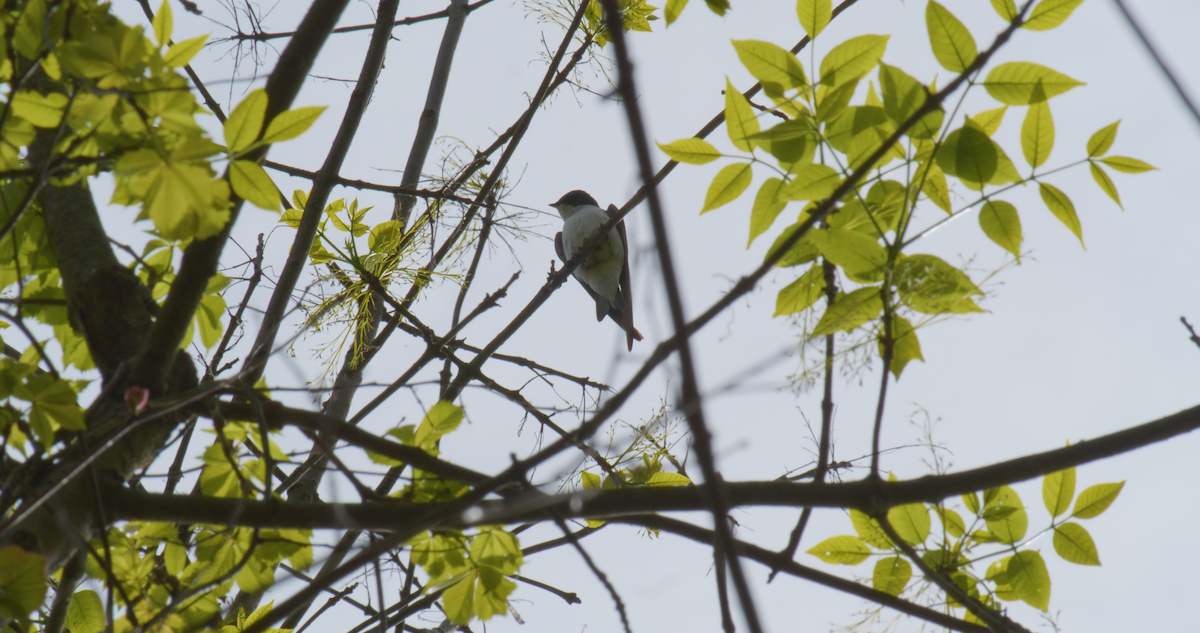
(729, 183)
(935, 187)
(1049, 14)
(1006, 8)
(86, 613)
(767, 206)
(1062, 208)
(975, 159)
(1037, 133)
(841, 550)
(891, 575)
(1075, 545)
(850, 311)
(1015, 83)
(692, 151)
(869, 530)
(1057, 491)
(859, 254)
(22, 582)
(812, 182)
(852, 59)
(1102, 140)
(441, 419)
(905, 347)
(1005, 515)
(181, 53)
(952, 43)
(814, 15)
(802, 293)
(251, 183)
(163, 23)
(951, 521)
(43, 112)
(1002, 225)
(1095, 500)
(989, 120)
(292, 123)
(911, 522)
(1105, 183)
(902, 95)
(777, 69)
(740, 121)
(1029, 578)
(245, 122)
(674, 8)
(1127, 165)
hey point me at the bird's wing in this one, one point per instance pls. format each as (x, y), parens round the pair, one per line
(624, 317)
(601, 303)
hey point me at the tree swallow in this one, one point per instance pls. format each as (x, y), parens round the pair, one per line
(605, 272)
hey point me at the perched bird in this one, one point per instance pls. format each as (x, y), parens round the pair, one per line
(605, 272)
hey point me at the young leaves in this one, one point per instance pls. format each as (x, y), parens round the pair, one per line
(729, 183)
(1037, 132)
(952, 43)
(692, 151)
(1049, 14)
(1002, 225)
(814, 15)
(852, 59)
(777, 69)
(1016, 83)
(1060, 205)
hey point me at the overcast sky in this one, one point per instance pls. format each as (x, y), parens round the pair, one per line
(1074, 343)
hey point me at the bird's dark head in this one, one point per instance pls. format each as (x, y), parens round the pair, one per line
(576, 198)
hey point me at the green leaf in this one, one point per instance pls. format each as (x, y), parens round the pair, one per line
(163, 23)
(906, 347)
(852, 122)
(674, 8)
(1060, 205)
(1075, 545)
(971, 500)
(292, 123)
(767, 206)
(43, 112)
(740, 121)
(859, 254)
(891, 575)
(1016, 83)
(1127, 165)
(1095, 500)
(852, 59)
(1102, 140)
(1029, 578)
(251, 182)
(929, 285)
(208, 318)
(801, 253)
(832, 102)
(1006, 8)
(952, 43)
(902, 95)
(245, 122)
(692, 151)
(1105, 183)
(718, 7)
(951, 522)
(911, 522)
(86, 613)
(182, 52)
(802, 293)
(989, 120)
(869, 530)
(22, 582)
(443, 418)
(1057, 491)
(1037, 133)
(1005, 515)
(1002, 225)
(814, 15)
(55, 404)
(777, 69)
(812, 182)
(975, 159)
(850, 311)
(1049, 14)
(729, 183)
(841, 550)
(935, 188)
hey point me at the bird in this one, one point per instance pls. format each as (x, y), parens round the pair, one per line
(604, 273)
